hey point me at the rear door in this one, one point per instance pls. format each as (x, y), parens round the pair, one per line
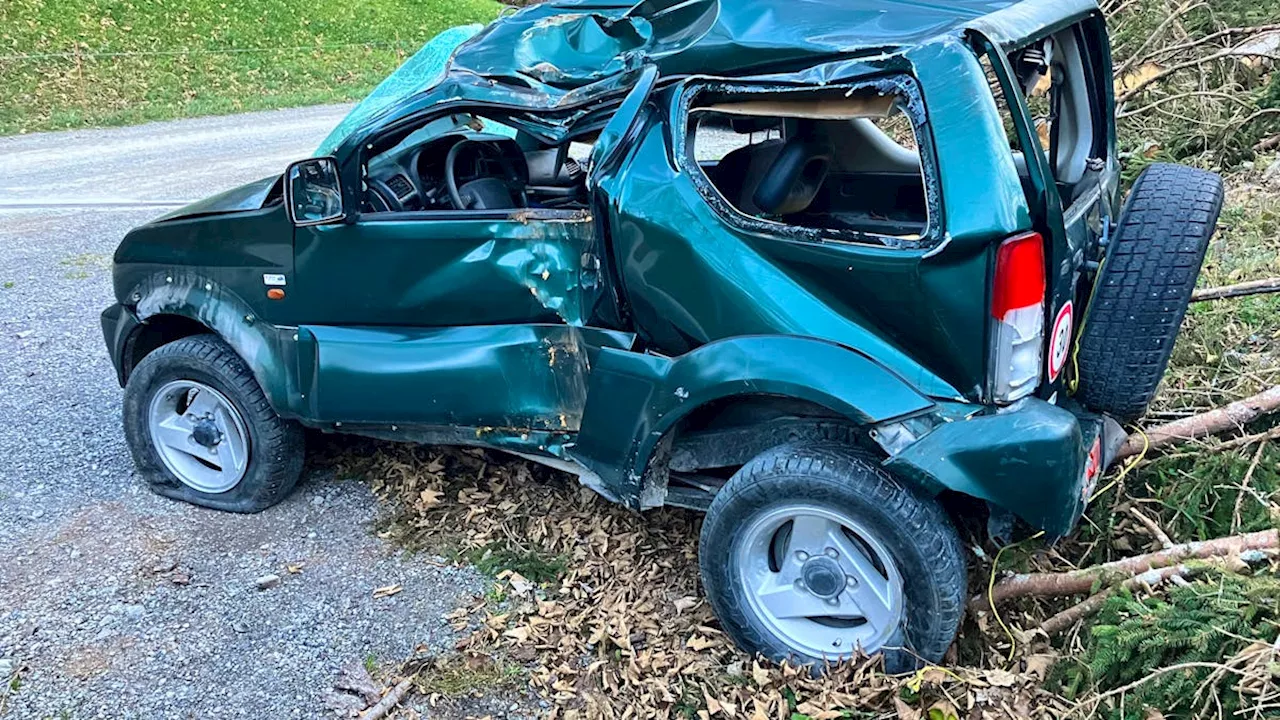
(1062, 107)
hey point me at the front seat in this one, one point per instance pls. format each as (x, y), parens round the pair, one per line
(775, 177)
(793, 179)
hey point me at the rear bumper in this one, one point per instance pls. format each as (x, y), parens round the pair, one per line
(1032, 459)
(118, 324)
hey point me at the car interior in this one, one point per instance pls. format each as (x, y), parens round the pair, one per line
(815, 160)
(825, 160)
(465, 162)
(1053, 75)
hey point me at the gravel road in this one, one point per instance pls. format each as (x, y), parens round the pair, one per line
(119, 603)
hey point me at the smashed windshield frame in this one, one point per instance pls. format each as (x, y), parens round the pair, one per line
(421, 71)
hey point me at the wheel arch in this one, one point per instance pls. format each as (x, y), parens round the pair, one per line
(637, 404)
(169, 306)
(160, 329)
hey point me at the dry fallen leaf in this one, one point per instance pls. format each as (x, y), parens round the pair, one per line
(519, 585)
(699, 643)
(429, 498)
(905, 711)
(387, 590)
(685, 603)
(1001, 678)
(1038, 665)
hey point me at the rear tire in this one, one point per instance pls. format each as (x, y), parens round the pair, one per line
(884, 539)
(1144, 287)
(261, 454)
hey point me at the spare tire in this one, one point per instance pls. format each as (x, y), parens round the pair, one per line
(1144, 286)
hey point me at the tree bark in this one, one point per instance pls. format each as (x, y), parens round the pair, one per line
(1079, 611)
(1083, 580)
(1213, 422)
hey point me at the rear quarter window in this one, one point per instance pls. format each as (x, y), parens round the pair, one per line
(849, 163)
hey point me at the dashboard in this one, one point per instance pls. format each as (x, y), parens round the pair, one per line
(486, 171)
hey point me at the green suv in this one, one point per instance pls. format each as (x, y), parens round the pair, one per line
(839, 273)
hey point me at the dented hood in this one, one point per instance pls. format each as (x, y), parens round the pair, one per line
(249, 196)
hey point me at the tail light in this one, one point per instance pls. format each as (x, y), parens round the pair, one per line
(1017, 309)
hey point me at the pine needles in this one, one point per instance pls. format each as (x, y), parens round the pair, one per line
(1198, 624)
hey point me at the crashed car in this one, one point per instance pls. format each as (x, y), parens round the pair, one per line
(842, 274)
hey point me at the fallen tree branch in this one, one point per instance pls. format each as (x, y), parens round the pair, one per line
(1244, 485)
(1143, 84)
(1227, 32)
(1219, 420)
(389, 701)
(1094, 701)
(1156, 531)
(1151, 578)
(1077, 582)
(1253, 287)
(1246, 440)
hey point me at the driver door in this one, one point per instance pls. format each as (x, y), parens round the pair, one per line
(443, 269)
(472, 319)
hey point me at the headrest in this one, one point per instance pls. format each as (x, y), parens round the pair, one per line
(745, 124)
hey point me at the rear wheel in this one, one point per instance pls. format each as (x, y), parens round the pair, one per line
(201, 430)
(812, 552)
(1144, 287)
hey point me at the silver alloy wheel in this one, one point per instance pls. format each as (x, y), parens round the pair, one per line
(199, 435)
(819, 581)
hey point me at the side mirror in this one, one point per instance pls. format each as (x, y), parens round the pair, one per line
(312, 192)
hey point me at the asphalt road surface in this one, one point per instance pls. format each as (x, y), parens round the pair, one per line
(117, 603)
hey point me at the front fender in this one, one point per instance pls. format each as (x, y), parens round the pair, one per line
(269, 350)
(634, 399)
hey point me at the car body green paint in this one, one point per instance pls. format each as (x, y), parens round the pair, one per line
(587, 337)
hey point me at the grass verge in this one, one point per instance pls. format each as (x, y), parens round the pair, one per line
(78, 63)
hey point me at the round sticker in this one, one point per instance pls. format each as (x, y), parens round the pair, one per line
(1060, 342)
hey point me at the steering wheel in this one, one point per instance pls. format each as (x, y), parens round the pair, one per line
(511, 181)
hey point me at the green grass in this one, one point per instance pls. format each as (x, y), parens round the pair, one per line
(458, 676)
(77, 63)
(537, 568)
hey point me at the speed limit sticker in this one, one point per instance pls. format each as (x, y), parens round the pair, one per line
(1060, 342)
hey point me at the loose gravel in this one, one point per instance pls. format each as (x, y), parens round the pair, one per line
(114, 602)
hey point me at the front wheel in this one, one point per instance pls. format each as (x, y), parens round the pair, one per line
(812, 552)
(201, 430)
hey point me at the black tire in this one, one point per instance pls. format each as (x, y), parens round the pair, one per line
(1144, 287)
(277, 446)
(915, 530)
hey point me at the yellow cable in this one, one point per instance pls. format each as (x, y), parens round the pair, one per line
(1074, 383)
(991, 588)
(1146, 445)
